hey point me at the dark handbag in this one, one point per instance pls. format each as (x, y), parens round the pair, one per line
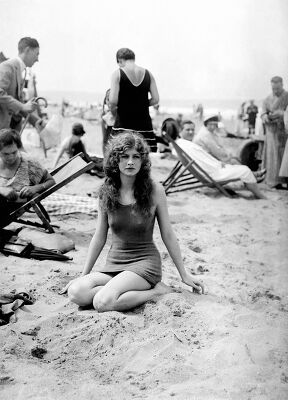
(20, 248)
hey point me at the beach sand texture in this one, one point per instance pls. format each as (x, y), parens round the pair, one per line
(230, 343)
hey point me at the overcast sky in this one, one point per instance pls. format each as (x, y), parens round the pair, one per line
(195, 49)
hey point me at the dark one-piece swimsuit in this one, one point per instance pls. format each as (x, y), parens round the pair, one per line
(132, 246)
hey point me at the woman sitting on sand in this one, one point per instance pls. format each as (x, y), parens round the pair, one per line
(129, 202)
(20, 176)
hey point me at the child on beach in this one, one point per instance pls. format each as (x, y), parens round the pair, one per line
(73, 145)
(129, 203)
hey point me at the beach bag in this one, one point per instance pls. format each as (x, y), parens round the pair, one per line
(30, 137)
(51, 134)
(49, 241)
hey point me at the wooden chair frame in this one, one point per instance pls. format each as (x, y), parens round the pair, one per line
(62, 176)
(187, 175)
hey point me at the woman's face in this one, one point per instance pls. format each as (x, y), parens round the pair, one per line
(130, 162)
(9, 154)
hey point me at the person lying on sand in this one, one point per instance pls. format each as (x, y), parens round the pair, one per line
(129, 203)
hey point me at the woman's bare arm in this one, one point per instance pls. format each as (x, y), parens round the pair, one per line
(170, 240)
(62, 149)
(96, 245)
(98, 241)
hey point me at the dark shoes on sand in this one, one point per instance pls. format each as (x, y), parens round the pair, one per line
(11, 302)
(260, 175)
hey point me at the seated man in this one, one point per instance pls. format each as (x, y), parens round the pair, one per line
(218, 170)
(207, 138)
(73, 145)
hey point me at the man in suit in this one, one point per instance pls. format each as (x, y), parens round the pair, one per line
(12, 78)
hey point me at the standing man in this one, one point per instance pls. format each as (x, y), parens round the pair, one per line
(272, 117)
(12, 79)
(133, 91)
(252, 111)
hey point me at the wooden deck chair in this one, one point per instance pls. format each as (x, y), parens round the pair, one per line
(187, 174)
(63, 174)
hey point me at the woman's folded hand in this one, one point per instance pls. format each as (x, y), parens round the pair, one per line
(9, 193)
(198, 286)
(27, 192)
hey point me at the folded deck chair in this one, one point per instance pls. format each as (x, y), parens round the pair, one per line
(64, 174)
(187, 174)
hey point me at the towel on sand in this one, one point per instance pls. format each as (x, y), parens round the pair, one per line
(57, 204)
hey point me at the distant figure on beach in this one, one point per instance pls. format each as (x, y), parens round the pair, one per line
(107, 120)
(200, 112)
(242, 111)
(179, 121)
(218, 170)
(241, 120)
(129, 203)
(273, 118)
(207, 138)
(131, 86)
(64, 106)
(12, 80)
(73, 145)
(21, 177)
(252, 111)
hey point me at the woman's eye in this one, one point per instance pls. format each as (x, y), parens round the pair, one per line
(137, 156)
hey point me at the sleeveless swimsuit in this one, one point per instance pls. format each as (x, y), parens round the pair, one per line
(132, 246)
(133, 109)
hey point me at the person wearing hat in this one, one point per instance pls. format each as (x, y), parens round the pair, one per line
(73, 145)
(207, 138)
(218, 170)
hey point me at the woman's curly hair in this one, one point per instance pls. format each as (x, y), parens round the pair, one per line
(110, 190)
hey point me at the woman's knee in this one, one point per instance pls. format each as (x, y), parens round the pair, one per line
(104, 301)
(77, 293)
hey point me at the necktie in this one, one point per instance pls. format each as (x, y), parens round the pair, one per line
(22, 95)
(24, 73)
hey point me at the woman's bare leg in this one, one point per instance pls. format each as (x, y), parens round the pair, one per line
(253, 187)
(84, 288)
(125, 291)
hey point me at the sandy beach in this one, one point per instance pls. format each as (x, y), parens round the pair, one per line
(230, 343)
